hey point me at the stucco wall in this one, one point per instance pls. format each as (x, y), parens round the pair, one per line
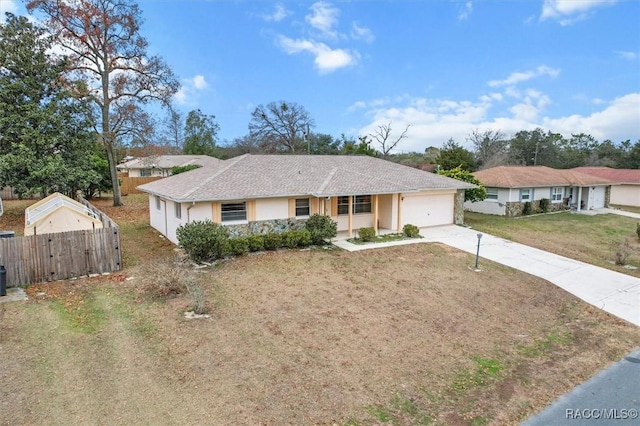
(272, 208)
(626, 195)
(387, 211)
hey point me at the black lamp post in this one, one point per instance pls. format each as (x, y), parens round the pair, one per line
(478, 250)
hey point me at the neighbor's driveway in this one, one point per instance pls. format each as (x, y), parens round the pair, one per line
(611, 291)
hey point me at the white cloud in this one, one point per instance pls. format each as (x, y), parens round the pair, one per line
(278, 14)
(628, 55)
(434, 121)
(567, 12)
(190, 90)
(466, 11)
(7, 6)
(324, 19)
(361, 33)
(326, 59)
(518, 77)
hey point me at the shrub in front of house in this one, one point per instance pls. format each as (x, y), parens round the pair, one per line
(272, 241)
(526, 208)
(366, 234)
(239, 246)
(321, 228)
(410, 231)
(203, 240)
(296, 238)
(544, 205)
(255, 242)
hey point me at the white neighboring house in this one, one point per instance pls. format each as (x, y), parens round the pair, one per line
(161, 165)
(626, 192)
(356, 191)
(509, 187)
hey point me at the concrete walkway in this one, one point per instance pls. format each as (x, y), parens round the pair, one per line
(611, 291)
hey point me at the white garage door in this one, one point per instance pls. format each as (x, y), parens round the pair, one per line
(598, 197)
(428, 210)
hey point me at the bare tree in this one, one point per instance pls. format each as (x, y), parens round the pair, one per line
(280, 126)
(109, 58)
(382, 135)
(174, 128)
(491, 148)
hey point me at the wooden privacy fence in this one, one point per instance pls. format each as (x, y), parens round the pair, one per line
(48, 257)
(128, 184)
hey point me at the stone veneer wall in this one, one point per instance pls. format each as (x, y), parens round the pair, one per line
(458, 208)
(263, 227)
(514, 208)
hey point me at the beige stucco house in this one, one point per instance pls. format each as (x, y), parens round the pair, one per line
(58, 213)
(510, 187)
(161, 165)
(356, 191)
(626, 191)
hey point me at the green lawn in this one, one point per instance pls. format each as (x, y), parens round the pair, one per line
(592, 239)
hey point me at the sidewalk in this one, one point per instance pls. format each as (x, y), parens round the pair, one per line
(611, 291)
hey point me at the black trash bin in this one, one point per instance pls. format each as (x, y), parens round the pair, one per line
(3, 281)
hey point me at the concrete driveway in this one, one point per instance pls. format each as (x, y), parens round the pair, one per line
(611, 291)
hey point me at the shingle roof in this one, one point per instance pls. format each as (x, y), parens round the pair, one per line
(535, 176)
(616, 175)
(168, 161)
(263, 176)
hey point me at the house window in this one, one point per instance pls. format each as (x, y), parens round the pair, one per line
(302, 207)
(343, 205)
(178, 207)
(492, 193)
(556, 193)
(231, 212)
(157, 202)
(525, 195)
(361, 204)
(145, 172)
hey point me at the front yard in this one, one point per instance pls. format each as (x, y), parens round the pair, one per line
(403, 335)
(591, 239)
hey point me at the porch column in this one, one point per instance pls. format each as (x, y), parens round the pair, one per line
(399, 227)
(578, 208)
(375, 214)
(350, 227)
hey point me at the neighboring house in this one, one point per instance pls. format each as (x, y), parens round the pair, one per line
(58, 213)
(509, 187)
(259, 192)
(161, 165)
(627, 190)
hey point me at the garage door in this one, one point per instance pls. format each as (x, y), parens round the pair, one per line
(428, 210)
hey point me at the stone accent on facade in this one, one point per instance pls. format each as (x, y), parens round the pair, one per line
(607, 196)
(458, 208)
(263, 227)
(515, 208)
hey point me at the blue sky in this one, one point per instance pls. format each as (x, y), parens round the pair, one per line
(445, 68)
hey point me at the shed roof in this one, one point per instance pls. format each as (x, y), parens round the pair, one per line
(535, 176)
(168, 161)
(264, 176)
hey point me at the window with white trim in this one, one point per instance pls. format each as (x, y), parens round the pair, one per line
(525, 195)
(302, 207)
(232, 212)
(158, 207)
(492, 193)
(556, 193)
(178, 208)
(343, 205)
(145, 172)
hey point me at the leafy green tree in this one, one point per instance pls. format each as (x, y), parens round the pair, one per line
(45, 133)
(200, 132)
(453, 155)
(474, 194)
(362, 147)
(323, 144)
(535, 148)
(577, 151)
(108, 57)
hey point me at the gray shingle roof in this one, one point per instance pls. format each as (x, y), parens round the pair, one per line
(263, 176)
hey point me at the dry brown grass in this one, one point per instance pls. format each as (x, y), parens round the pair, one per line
(306, 337)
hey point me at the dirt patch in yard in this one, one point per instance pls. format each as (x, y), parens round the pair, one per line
(407, 335)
